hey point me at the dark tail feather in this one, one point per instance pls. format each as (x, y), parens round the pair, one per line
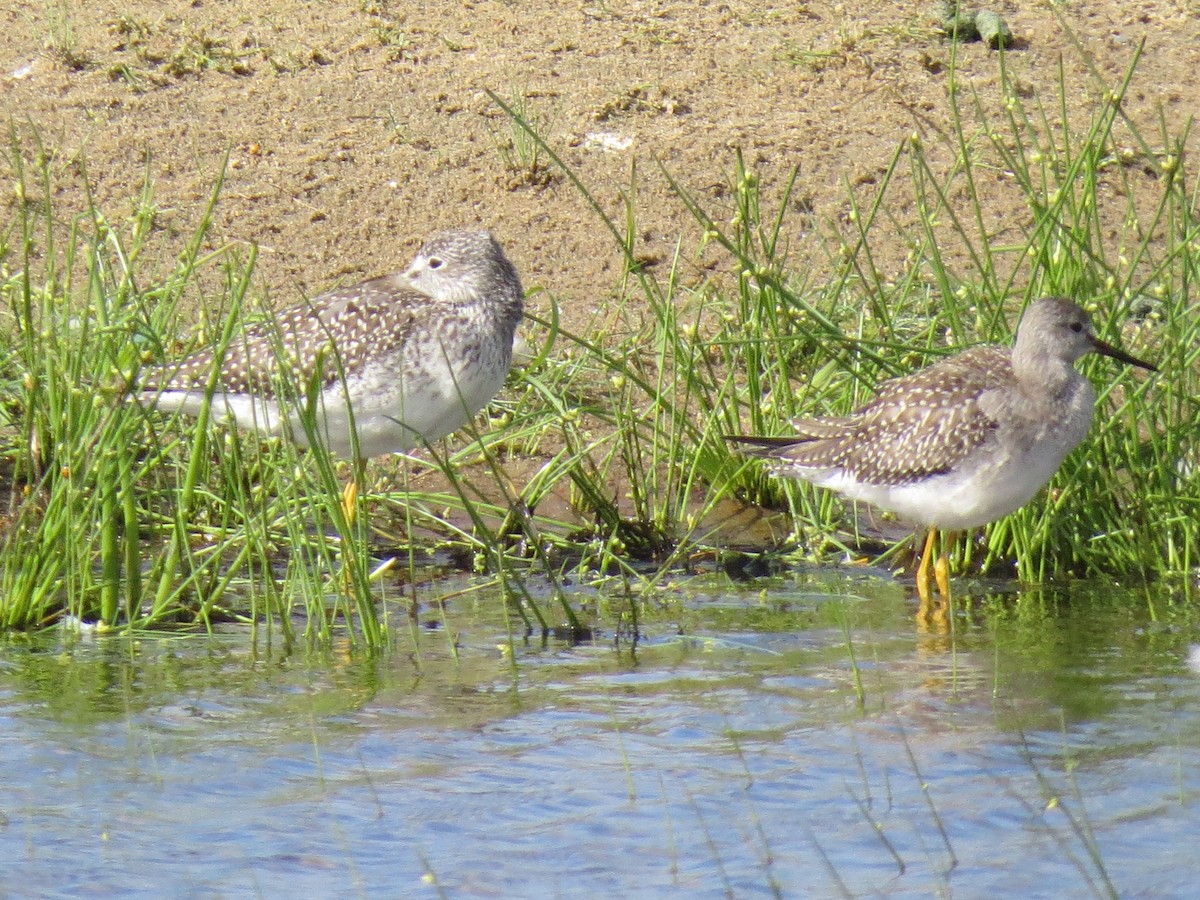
(763, 446)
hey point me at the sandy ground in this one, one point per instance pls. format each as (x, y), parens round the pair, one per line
(355, 129)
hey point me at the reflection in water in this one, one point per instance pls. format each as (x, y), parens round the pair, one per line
(806, 741)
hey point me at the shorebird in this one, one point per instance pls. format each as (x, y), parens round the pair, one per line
(381, 367)
(963, 442)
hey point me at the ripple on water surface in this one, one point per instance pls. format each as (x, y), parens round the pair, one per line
(804, 745)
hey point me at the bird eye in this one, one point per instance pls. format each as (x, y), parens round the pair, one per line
(1076, 327)
(435, 262)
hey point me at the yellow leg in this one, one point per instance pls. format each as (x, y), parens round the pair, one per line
(923, 572)
(349, 499)
(941, 571)
(941, 574)
(933, 616)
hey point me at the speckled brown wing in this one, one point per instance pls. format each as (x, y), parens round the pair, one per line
(916, 426)
(370, 318)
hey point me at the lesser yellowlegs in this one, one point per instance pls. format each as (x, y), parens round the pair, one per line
(407, 358)
(963, 442)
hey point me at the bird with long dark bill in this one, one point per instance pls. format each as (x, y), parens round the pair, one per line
(963, 442)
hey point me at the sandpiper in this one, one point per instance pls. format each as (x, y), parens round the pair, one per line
(963, 442)
(405, 359)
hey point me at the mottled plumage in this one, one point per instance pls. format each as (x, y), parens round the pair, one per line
(412, 355)
(965, 441)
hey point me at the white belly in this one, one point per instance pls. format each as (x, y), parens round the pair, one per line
(961, 499)
(392, 410)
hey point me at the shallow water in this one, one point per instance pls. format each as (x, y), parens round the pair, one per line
(1050, 746)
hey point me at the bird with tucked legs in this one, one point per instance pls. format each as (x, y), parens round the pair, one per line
(383, 366)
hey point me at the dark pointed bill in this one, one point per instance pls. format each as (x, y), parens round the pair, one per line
(1118, 354)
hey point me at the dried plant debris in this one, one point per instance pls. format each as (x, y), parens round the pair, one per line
(963, 24)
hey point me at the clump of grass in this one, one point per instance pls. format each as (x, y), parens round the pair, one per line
(62, 40)
(395, 38)
(158, 56)
(389, 30)
(523, 156)
(77, 449)
(200, 51)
